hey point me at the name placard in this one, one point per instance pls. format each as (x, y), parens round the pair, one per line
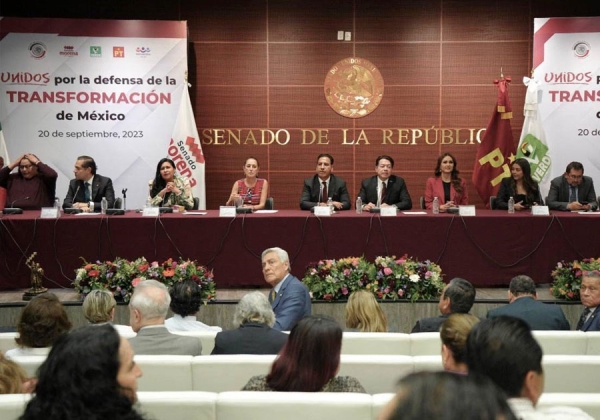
(540, 211)
(322, 211)
(49, 213)
(466, 210)
(151, 211)
(227, 211)
(388, 211)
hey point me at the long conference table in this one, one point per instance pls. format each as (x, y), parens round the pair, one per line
(487, 249)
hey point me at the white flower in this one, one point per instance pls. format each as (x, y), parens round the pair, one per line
(414, 278)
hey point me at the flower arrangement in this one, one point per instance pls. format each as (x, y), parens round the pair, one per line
(122, 276)
(387, 278)
(407, 278)
(336, 279)
(566, 277)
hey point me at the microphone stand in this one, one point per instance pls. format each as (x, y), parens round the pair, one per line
(124, 192)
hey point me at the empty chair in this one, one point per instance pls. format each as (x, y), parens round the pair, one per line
(593, 343)
(423, 344)
(220, 373)
(571, 373)
(207, 338)
(590, 403)
(376, 374)
(13, 405)
(165, 373)
(562, 342)
(428, 363)
(376, 343)
(7, 341)
(293, 406)
(190, 405)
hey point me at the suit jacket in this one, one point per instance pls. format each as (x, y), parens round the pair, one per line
(291, 304)
(593, 322)
(396, 194)
(538, 315)
(250, 338)
(429, 324)
(158, 340)
(435, 188)
(558, 197)
(312, 190)
(506, 191)
(102, 187)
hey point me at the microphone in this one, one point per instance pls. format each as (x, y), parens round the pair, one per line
(320, 193)
(12, 209)
(73, 210)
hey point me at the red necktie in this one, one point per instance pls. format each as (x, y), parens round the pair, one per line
(324, 195)
(383, 192)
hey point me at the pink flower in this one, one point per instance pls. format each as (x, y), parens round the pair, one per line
(155, 264)
(386, 290)
(328, 296)
(428, 274)
(344, 291)
(387, 271)
(400, 261)
(136, 281)
(347, 272)
(400, 292)
(355, 263)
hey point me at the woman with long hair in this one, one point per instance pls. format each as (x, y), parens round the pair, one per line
(89, 374)
(252, 190)
(524, 190)
(454, 332)
(13, 379)
(364, 314)
(447, 186)
(309, 361)
(169, 189)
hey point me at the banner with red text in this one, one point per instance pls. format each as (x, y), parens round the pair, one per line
(566, 62)
(104, 88)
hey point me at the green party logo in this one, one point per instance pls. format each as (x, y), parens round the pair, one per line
(536, 153)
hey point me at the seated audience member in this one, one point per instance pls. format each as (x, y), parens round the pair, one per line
(572, 191)
(447, 186)
(252, 190)
(523, 304)
(88, 188)
(253, 318)
(590, 298)
(318, 188)
(384, 189)
(309, 361)
(364, 314)
(169, 189)
(504, 350)
(13, 379)
(454, 332)
(457, 297)
(186, 298)
(148, 308)
(41, 322)
(32, 187)
(99, 308)
(520, 186)
(289, 297)
(444, 395)
(89, 374)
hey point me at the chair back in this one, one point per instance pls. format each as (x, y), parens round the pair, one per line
(270, 204)
(493, 202)
(118, 203)
(422, 202)
(196, 203)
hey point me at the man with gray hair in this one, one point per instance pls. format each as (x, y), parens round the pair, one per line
(523, 304)
(289, 297)
(253, 318)
(147, 312)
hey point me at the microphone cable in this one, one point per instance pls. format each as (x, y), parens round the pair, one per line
(159, 219)
(222, 242)
(301, 239)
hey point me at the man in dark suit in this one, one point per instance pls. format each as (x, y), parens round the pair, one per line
(317, 189)
(87, 189)
(590, 298)
(384, 189)
(147, 312)
(254, 318)
(523, 304)
(570, 191)
(289, 298)
(457, 297)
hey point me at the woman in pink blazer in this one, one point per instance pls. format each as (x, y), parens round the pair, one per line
(450, 190)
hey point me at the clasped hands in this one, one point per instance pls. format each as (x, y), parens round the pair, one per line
(577, 206)
(336, 204)
(171, 188)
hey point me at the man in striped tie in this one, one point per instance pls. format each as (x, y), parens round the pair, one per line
(289, 297)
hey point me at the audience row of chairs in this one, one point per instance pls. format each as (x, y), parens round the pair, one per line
(400, 344)
(195, 405)
(377, 373)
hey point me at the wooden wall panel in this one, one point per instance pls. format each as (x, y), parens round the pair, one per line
(230, 64)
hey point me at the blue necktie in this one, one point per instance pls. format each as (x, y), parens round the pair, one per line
(86, 192)
(573, 194)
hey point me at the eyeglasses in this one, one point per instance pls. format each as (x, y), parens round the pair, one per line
(25, 166)
(575, 176)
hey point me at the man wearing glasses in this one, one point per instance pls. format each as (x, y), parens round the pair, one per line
(32, 187)
(572, 191)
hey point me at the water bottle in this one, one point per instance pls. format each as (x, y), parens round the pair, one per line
(330, 204)
(511, 205)
(359, 205)
(148, 202)
(436, 206)
(57, 206)
(103, 205)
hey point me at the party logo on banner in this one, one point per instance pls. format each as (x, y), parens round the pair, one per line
(119, 52)
(69, 51)
(37, 50)
(95, 51)
(142, 51)
(581, 49)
